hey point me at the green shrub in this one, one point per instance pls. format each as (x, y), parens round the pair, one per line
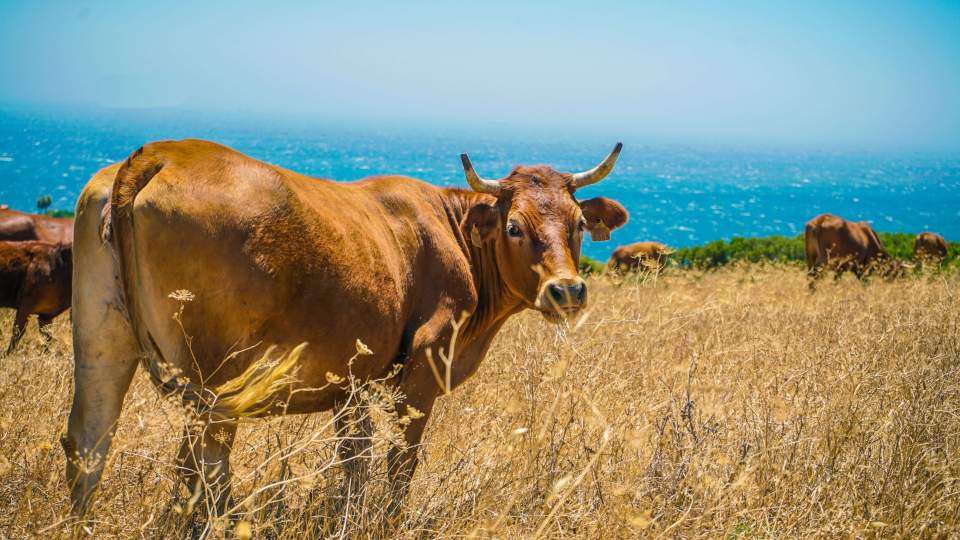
(786, 249)
(777, 249)
(898, 245)
(590, 266)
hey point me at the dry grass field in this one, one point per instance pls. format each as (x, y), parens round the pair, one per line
(729, 404)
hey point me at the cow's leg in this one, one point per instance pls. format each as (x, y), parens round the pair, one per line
(814, 273)
(105, 353)
(204, 464)
(420, 389)
(105, 360)
(354, 431)
(402, 460)
(43, 323)
(19, 326)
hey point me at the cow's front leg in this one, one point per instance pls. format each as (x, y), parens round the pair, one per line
(19, 326)
(420, 382)
(420, 390)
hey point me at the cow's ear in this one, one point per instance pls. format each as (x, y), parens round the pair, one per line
(602, 216)
(480, 224)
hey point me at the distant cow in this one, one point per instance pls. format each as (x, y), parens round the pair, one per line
(632, 257)
(840, 245)
(929, 246)
(16, 225)
(34, 279)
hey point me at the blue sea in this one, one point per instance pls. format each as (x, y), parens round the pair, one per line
(680, 195)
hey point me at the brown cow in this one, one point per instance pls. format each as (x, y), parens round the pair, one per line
(928, 246)
(631, 257)
(275, 257)
(34, 279)
(16, 225)
(834, 243)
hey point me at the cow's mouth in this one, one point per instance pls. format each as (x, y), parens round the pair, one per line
(559, 315)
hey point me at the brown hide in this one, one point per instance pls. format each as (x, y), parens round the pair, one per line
(384, 260)
(928, 245)
(835, 243)
(34, 280)
(16, 225)
(273, 257)
(638, 255)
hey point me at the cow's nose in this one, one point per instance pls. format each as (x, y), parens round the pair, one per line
(567, 293)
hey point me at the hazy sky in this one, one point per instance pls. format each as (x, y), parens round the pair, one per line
(860, 73)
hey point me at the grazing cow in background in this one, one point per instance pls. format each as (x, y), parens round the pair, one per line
(928, 246)
(16, 225)
(34, 280)
(834, 243)
(275, 257)
(649, 255)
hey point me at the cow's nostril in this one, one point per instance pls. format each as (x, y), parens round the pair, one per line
(556, 292)
(579, 291)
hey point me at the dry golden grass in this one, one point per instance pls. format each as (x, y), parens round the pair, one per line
(727, 404)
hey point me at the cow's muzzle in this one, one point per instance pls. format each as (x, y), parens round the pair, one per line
(562, 296)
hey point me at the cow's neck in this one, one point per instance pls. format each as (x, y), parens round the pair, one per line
(495, 303)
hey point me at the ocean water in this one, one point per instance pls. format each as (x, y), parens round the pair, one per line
(678, 195)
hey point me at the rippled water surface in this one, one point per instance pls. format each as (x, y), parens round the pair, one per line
(677, 195)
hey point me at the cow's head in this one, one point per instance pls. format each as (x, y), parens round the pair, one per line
(535, 228)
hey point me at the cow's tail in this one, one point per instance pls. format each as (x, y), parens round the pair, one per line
(252, 392)
(811, 244)
(117, 223)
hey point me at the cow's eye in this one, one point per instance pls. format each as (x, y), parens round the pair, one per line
(514, 230)
(582, 224)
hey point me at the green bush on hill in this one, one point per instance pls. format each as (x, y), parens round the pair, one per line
(899, 245)
(590, 266)
(776, 249)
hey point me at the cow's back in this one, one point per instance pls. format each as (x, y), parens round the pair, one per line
(16, 226)
(928, 244)
(21, 226)
(631, 256)
(54, 230)
(832, 239)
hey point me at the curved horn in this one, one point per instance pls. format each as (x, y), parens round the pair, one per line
(478, 184)
(599, 172)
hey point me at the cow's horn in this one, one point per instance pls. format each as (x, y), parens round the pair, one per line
(599, 172)
(478, 184)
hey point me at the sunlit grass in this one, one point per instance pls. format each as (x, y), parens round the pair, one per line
(733, 403)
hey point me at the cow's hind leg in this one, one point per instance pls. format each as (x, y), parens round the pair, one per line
(105, 361)
(204, 464)
(105, 355)
(354, 443)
